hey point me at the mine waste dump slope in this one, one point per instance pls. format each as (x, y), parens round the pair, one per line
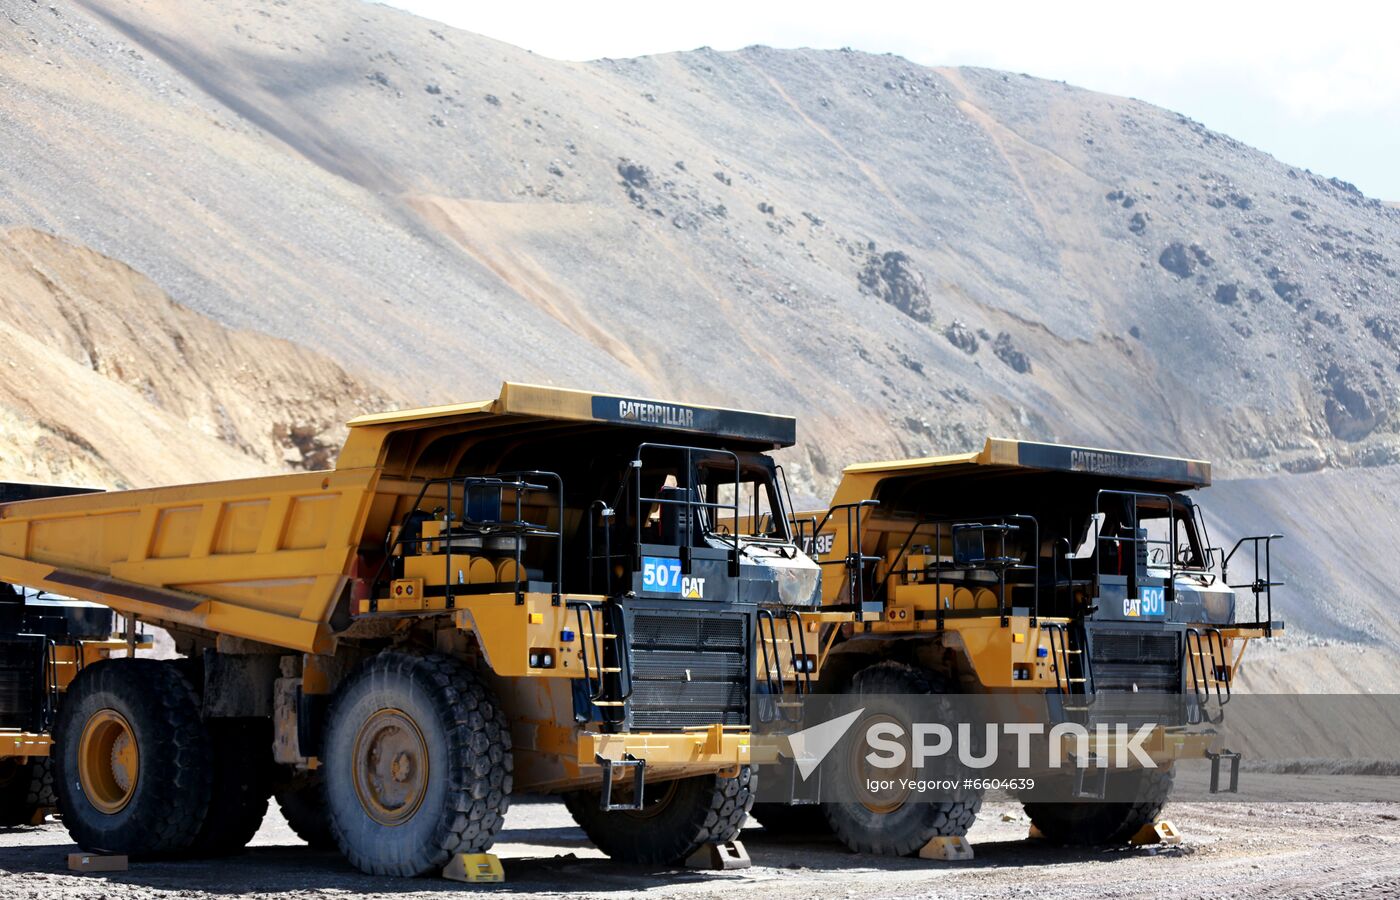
(223, 233)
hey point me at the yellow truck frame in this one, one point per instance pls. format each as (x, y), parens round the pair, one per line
(400, 660)
(890, 543)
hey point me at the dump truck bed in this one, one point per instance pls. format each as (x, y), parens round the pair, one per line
(270, 559)
(261, 558)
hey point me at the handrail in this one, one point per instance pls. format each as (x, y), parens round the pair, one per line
(855, 559)
(690, 503)
(960, 522)
(518, 528)
(1204, 676)
(1264, 585)
(1135, 540)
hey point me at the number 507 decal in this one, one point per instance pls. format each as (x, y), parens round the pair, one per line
(663, 576)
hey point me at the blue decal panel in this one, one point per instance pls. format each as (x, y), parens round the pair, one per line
(662, 575)
(1152, 603)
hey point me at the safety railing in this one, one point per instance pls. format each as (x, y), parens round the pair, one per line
(459, 524)
(1262, 584)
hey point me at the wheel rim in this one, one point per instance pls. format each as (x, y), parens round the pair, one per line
(391, 767)
(881, 802)
(654, 799)
(109, 761)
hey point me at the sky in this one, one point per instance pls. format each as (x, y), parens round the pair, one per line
(1317, 84)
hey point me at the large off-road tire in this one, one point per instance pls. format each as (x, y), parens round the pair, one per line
(417, 764)
(132, 759)
(303, 805)
(891, 824)
(784, 819)
(241, 760)
(678, 818)
(1091, 824)
(26, 787)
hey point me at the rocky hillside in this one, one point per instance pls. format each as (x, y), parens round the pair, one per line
(107, 381)
(227, 231)
(908, 257)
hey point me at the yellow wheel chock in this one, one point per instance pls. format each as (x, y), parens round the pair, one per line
(947, 848)
(1159, 832)
(475, 868)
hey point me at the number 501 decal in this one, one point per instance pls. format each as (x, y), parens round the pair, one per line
(1153, 602)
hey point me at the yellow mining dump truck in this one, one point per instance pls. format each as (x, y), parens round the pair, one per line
(550, 591)
(1084, 576)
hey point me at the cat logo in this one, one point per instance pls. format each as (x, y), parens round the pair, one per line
(693, 588)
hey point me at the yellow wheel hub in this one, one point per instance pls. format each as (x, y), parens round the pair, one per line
(109, 761)
(884, 799)
(391, 767)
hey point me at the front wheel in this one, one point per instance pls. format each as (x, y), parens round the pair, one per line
(891, 821)
(1091, 824)
(417, 764)
(677, 818)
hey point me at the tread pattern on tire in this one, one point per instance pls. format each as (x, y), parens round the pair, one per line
(1094, 824)
(172, 797)
(479, 767)
(946, 819)
(706, 809)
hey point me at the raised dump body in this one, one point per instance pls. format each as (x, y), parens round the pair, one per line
(262, 558)
(563, 582)
(1081, 580)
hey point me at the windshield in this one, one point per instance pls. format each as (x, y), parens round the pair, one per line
(1171, 538)
(760, 513)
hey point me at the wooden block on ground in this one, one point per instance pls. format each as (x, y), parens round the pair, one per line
(97, 862)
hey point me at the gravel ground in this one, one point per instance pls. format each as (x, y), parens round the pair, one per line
(1317, 850)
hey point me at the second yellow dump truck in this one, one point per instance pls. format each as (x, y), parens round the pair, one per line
(1083, 581)
(548, 591)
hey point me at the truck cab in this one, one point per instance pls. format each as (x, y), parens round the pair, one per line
(1082, 580)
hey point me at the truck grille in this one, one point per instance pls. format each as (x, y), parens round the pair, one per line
(689, 669)
(1124, 661)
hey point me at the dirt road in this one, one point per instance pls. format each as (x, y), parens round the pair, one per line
(1321, 850)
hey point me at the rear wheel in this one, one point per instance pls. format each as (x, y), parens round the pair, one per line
(1089, 824)
(132, 757)
(891, 822)
(417, 764)
(678, 817)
